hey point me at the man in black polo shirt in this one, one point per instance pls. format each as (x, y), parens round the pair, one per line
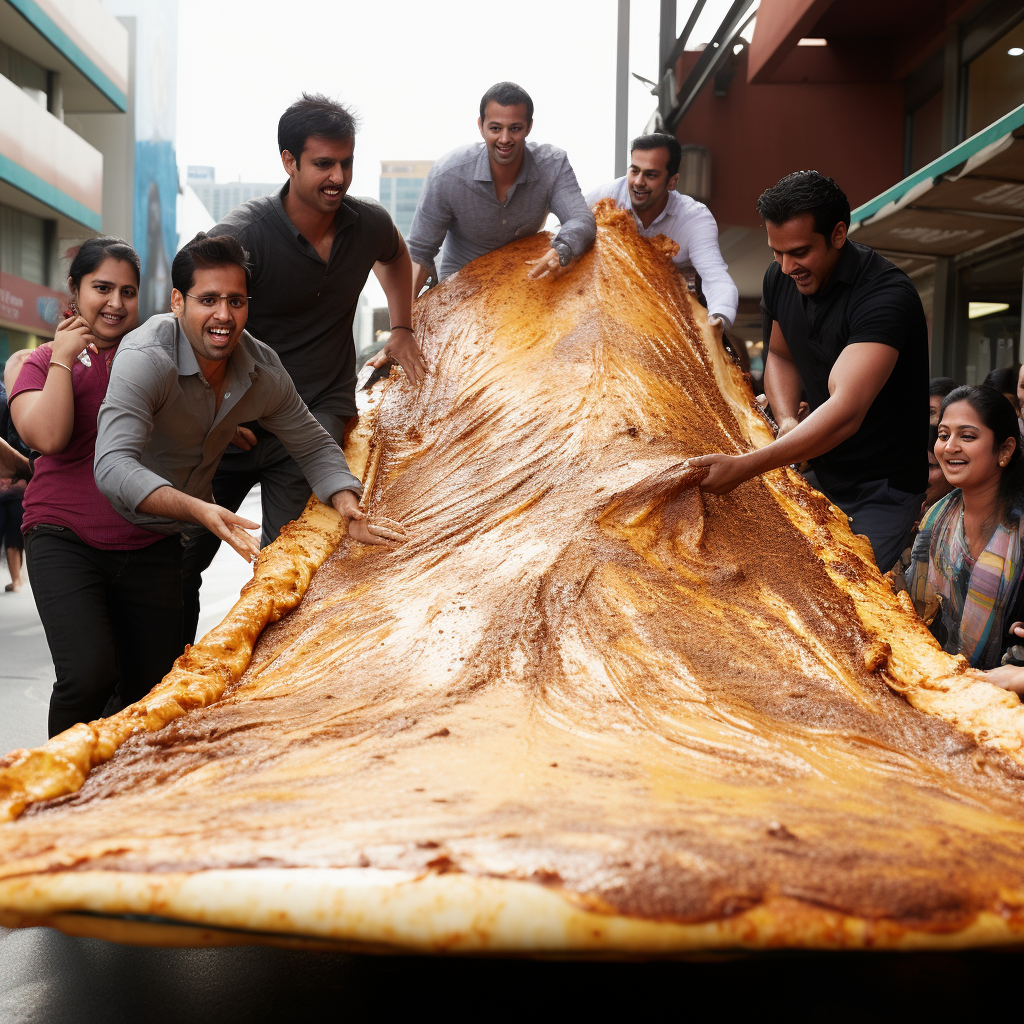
(312, 248)
(847, 326)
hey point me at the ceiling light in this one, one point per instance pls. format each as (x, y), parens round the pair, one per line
(979, 309)
(1015, 51)
(811, 41)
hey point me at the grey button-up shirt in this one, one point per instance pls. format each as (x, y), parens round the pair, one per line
(159, 426)
(458, 201)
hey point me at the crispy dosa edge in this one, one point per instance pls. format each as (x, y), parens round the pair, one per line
(201, 675)
(391, 911)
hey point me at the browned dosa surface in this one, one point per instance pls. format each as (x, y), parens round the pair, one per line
(586, 708)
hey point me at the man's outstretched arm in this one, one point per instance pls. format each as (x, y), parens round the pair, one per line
(396, 279)
(857, 376)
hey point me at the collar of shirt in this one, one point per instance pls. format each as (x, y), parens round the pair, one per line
(844, 272)
(240, 362)
(342, 219)
(528, 172)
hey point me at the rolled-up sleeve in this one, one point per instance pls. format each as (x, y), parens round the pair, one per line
(123, 429)
(578, 226)
(706, 256)
(319, 457)
(430, 223)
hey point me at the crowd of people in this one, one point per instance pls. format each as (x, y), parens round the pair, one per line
(130, 447)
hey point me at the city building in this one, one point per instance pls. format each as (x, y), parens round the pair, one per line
(220, 199)
(901, 104)
(86, 147)
(401, 182)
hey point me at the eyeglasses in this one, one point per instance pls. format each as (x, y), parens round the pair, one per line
(213, 301)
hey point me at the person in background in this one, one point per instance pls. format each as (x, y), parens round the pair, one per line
(108, 593)
(1020, 399)
(938, 388)
(179, 388)
(966, 561)
(1004, 380)
(485, 195)
(648, 190)
(938, 485)
(12, 490)
(848, 326)
(311, 247)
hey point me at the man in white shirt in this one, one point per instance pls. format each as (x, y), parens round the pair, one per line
(649, 187)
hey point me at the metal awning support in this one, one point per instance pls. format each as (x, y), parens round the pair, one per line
(622, 89)
(718, 50)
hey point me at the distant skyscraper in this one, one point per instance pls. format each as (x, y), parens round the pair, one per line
(221, 199)
(401, 182)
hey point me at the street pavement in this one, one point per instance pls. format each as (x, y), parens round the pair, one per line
(26, 671)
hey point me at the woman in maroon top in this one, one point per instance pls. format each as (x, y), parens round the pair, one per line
(108, 592)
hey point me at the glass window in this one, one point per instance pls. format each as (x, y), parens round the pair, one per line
(23, 245)
(989, 295)
(926, 133)
(995, 83)
(24, 73)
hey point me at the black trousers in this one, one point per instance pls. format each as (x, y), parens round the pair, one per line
(284, 492)
(112, 620)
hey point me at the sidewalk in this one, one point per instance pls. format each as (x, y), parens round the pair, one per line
(26, 672)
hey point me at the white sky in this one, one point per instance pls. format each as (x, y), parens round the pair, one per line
(414, 72)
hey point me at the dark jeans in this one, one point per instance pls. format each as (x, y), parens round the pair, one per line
(112, 620)
(10, 520)
(881, 513)
(284, 492)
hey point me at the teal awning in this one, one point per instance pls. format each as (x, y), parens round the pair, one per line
(969, 198)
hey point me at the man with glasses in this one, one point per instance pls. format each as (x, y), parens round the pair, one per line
(311, 249)
(179, 387)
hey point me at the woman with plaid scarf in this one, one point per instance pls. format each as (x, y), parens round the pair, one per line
(966, 561)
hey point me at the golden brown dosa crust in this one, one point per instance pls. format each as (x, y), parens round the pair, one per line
(202, 674)
(585, 700)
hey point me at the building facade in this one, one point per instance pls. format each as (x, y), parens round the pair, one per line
(401, 182)
(56, 59)
(221, 199)
(86, 147)
(870, 93)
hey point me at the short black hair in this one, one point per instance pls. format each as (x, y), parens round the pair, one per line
(507, 94)
(1004, 379)
(941, 386)
(314, 115)
(204, 252)
(93, 251)
(806, 192)
(661, 140)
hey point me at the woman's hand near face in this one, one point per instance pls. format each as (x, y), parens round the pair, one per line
(72, 337)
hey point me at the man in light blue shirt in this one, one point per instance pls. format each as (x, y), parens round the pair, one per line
(649, 190)
(481, 197)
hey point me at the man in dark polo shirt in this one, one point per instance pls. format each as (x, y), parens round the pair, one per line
(312, 248)
(848, 327)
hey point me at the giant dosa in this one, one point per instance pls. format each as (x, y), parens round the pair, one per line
(585, 710)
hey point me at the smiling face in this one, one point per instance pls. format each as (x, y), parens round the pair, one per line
(967, 449)
(648, 179)
(504, 131)
(213, 311)
(805, 256)
(108, 300)
(321, 176)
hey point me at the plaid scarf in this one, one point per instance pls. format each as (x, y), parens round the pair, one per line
(974, 602)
